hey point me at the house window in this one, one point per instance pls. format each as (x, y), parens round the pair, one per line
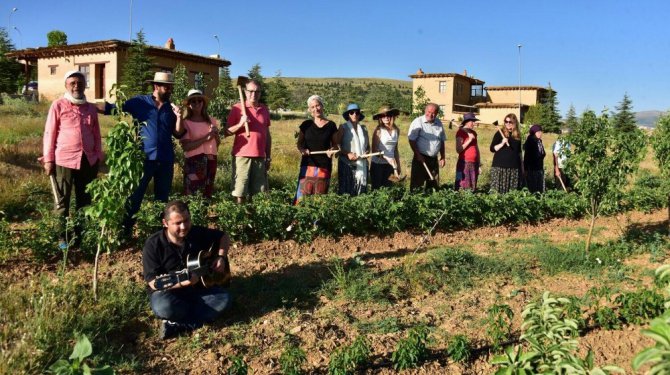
(86, 71)
(459, 88)
(443, 87)
(477, 90)
(52, 69)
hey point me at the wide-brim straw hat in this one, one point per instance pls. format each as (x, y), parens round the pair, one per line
(386, 110)
(192, 94)
(162, 77)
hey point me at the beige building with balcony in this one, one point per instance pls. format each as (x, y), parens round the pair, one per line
(102, 63)
(457, 94)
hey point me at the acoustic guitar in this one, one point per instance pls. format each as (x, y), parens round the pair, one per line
(201, 266)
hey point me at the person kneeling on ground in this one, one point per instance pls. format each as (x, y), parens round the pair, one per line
(187, 304)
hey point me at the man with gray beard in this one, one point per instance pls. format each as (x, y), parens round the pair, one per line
(72, 150)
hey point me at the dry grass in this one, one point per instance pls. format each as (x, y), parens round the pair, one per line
(21, 175)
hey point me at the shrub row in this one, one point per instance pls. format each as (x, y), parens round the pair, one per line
(386, 211)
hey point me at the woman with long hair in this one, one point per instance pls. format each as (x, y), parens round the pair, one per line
(316, 135)
(533, 160)
(200, 144)
(385, 139)
(507, 169)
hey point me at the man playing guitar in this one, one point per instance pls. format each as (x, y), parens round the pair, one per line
(177, 293)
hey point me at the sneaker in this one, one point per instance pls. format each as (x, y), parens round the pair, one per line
(170, 329)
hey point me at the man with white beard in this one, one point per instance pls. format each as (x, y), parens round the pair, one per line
(72, 149)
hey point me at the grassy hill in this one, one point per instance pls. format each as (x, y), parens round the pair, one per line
(402, 84)
(369, 93)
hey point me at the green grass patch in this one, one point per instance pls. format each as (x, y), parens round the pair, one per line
(41, 319)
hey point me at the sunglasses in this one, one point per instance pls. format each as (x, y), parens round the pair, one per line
(509, 122)
(354, 112)
(195, 101)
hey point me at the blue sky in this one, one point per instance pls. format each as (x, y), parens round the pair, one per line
(592, 52)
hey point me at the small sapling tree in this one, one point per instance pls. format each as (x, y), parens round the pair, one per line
(661, 143)
(124, 158)
(602, 158)
(420, 101)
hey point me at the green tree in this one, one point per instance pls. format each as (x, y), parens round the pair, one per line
(420, 101)
(545, 113)
(571, 118)
(552, 120)
(223, 96)
(181, 84)
(9, 68)
(535, 114)
(277, 93)
(379, 95)
(255, 73)
(138, 68)
(661, 143)
(624, 118)
(602, 159)
(56, 38)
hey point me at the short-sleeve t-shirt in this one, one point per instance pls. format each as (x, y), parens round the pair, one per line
(317, 139)
(470, 153)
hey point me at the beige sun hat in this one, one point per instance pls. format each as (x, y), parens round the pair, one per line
(384, 110)
(193, 93)
(162, 77)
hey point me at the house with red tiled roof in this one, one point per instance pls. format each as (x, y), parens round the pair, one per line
(102, 63)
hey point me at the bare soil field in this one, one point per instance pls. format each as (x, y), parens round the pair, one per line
(286, 279)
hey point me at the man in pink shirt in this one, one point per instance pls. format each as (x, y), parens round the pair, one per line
(251, 154)
(72, 149)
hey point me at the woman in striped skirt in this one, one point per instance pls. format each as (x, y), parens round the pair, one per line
(507, 169)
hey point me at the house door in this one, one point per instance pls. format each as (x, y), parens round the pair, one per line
(100, 81)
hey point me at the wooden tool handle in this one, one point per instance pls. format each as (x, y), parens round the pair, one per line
(323, 152)
(428, 171)
(244, 110)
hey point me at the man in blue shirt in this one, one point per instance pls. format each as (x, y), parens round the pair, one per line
(160, 124)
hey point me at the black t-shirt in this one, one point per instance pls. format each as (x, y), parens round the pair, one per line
(160, 256)
(317, 139)
(507, 156)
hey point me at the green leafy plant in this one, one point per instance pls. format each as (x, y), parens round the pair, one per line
(459, 349)
(412, 349)
(498, 324)
(661, 144)
(603, 158)
(550, 342)
(292, 358)
(344, 360)
(77, 364)
(124, 159)
(237, 366)
(658, 356)
(639, 306)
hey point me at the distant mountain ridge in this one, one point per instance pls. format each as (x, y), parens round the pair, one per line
(647, 118)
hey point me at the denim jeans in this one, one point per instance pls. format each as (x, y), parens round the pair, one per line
(191, 307)
(162, 173)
